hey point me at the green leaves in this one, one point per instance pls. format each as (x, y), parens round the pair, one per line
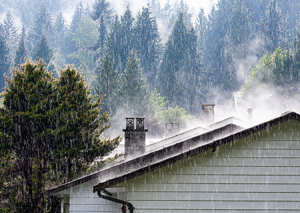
(273, 80)
(157, 104)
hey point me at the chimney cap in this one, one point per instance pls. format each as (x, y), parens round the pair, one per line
(208, 105)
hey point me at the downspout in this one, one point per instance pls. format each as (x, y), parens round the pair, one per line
(129, 205)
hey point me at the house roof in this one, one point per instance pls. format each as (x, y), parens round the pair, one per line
(167, 155)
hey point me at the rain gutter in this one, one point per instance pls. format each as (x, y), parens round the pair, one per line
(129, 205)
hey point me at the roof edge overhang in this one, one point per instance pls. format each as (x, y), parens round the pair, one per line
(173, 159)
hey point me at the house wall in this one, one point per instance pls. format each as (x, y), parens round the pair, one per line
(260, 173)
(82, 199)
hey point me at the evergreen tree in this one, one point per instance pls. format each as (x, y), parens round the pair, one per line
(272, 27)
(107, 83)
(70, 43)
(84, 38)
(147, 44)
(239, 26)
(296, 61)
(127, 36)
(22, 51)
(290, 11)
(113, 43)
(43, 50)
(10, 31)
(214, 55)
(59, 33)
(256, 10)
(42, 26)
(101, 8)
(237, 50)
(201, 28)
(133, 91)
(101, 11)
(121, 39)
(180, 75)
(59, 130)
(173, 57)
(4, 61)
(167, 9)
(184, 8)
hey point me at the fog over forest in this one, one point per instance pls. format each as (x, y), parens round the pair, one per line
(151, 57)
(72, 71)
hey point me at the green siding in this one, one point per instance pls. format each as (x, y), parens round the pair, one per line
(259, 173)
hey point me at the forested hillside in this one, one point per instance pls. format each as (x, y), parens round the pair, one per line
(190, 57)
(70, 70)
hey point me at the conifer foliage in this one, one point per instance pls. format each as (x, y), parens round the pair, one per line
(147, 44)
(273, 27)
(21, 52)
(107, 84)
(43, 50)
(10, 31)
(101, 11)
(4, 61)
(50, 130)
(42, 26)
(180, 76)
(134, 86)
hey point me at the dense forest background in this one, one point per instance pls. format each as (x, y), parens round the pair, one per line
(164, 60)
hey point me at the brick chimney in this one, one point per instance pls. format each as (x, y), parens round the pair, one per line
(135, 139)
(208, 113)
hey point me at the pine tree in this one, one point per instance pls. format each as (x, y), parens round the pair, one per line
(84, 38)
(214, 55)
(147, 44)
(156, 9)
(173, 57)
(70, 43)
(107, 83)
(101, 11)
(78, 15)
(201, 28)
(296, 60)
(113, 43)
(21, 52)
(127, 36)
(10, 31)
(256, 10)
(59, 33)
(120, 40)
(42, 26)
(272, 27)
(43, 50)
(59, 130)
(237, 50)
(239, 26)
(290, 11)
(184, 8)
(4, 61)
(133, 89)
(180, 73)
(81, 126)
